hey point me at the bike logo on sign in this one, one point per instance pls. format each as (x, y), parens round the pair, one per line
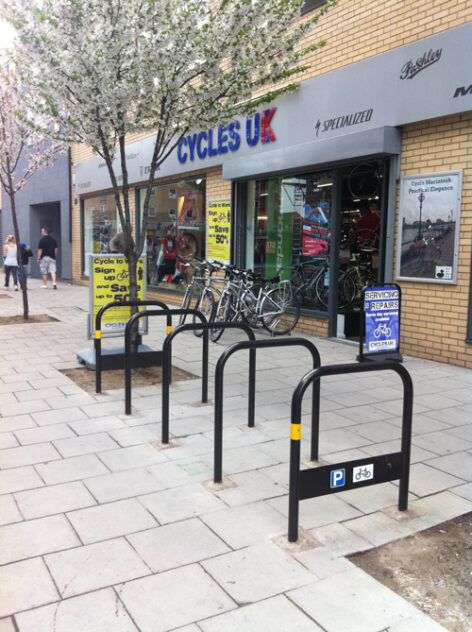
(381, 310)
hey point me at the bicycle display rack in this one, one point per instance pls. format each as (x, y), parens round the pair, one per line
(167, 363)
(220, 365)
(98, 333)
(168, 313)
(329, 479)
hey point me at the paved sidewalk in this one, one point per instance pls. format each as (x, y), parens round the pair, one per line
(104, 531)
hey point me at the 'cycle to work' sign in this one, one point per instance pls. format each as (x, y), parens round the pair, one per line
(382, 318)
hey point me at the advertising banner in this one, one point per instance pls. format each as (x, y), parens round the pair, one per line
(219, 230)
(109, 281)
(382, 319)
(428, 227)
(315, 230)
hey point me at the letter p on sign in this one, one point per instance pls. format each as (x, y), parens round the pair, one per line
(337, 478)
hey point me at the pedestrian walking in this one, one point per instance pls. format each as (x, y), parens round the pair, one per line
(10, 264)
(26, 253)
(47, 253)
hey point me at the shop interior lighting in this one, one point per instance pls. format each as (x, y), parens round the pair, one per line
(263, 194)
(325, 184)
(262, 217)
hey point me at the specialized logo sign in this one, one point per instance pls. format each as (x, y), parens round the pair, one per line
(337, 478)
(463, 91)
(382, 315)
(413, 67)
(227, 138)
(345, 120)
(109, 282)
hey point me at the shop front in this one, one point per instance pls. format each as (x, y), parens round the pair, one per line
(316, 184)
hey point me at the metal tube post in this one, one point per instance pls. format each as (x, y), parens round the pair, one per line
(98, 360)
(252, 388)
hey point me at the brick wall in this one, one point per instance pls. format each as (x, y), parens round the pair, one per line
(434, 316)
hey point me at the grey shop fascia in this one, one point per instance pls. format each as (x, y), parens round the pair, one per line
(347, 114)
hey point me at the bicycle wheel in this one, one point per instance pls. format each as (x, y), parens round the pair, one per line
(224, 312)
(206, 305)
(186, 303)
(280, 313)
(322, 287)
(347, 291)
(187, 246)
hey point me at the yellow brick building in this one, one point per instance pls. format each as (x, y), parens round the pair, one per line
(383, 117)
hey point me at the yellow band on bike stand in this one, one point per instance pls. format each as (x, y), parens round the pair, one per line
(169, 329)
(98, 334)
(295, 432)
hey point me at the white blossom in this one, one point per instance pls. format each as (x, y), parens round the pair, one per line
(106, 69)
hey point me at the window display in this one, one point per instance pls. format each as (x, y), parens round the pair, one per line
(175, 231)
(99, 226)
(289, 224)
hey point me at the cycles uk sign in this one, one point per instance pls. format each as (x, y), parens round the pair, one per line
(382, 318)
(109, 282)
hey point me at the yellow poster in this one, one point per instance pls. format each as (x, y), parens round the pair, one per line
(219, 230)
(109, 282)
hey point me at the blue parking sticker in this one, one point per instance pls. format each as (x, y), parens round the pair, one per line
(337, 478)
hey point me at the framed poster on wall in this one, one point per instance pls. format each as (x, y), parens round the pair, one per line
(428, 227)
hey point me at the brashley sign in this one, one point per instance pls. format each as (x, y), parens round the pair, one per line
(420, 81)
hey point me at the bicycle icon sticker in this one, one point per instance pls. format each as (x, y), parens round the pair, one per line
(362, 473)
(382, 315)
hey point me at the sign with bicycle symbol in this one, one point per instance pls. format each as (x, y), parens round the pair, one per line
(219, 230)
(382, 318)
(109, 282)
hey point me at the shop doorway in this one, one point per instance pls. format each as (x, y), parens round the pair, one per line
(361, 241)
(46, 216)
(325, 231)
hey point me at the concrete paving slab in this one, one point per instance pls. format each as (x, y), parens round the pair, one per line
(177, 544)
(9, 511)
(31, 538)
(276, 614)
(72, 469)
(174, 598)
(367, 605)
(47, 501)
(99, 611)
(87, 568)
(25, 585)
(239, 572)
(110, 520)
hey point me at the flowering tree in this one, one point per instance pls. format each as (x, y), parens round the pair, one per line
(23, 151)
(106, 69)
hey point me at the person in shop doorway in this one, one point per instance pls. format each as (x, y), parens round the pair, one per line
(368, 226)
(47, 253)
(25, 253)
(10, 263)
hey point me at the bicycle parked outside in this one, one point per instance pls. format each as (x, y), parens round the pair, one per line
(258, 301)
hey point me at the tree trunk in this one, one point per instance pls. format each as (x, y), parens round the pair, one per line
(18, 255)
